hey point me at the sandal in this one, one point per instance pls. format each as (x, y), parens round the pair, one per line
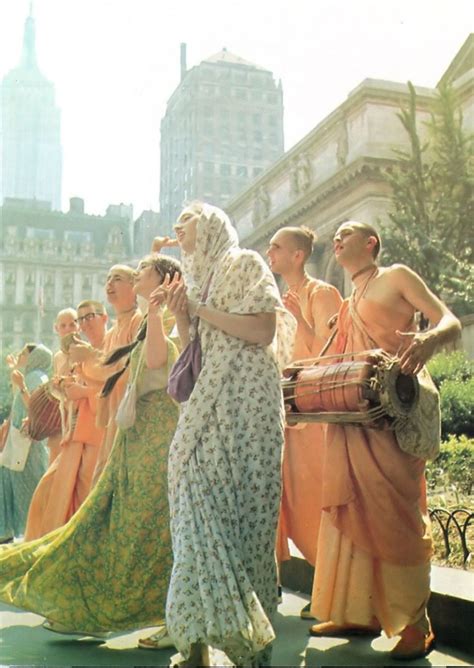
(305, 613)
(158, 640)
(413, 644)
(329, 629)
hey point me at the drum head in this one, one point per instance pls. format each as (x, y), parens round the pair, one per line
(399, 392)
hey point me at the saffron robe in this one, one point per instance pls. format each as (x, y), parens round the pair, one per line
(303, 453)
(374, 542)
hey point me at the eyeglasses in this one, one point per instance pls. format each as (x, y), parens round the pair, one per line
(87, 317)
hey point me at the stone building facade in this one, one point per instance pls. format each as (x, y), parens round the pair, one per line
(223, 126)
(51, 260)
(336, 172)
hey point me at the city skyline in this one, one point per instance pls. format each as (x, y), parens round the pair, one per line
(119, 65)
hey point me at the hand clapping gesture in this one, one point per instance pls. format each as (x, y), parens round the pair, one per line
(173, 294)
(292, 302)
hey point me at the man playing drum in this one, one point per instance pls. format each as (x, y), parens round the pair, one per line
(374, 547)
(312, 302)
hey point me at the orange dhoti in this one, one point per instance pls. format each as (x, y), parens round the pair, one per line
(374, 542)
(300, 512)
(303, 453)
(67, 482)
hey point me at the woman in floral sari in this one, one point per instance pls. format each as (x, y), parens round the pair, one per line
(225, 458)
(108, 568)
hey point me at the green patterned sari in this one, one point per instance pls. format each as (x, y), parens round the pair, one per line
(107, 569)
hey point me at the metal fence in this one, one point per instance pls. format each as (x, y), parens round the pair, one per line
(454, 526)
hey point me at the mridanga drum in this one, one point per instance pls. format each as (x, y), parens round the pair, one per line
(370, 392)
(44, 413)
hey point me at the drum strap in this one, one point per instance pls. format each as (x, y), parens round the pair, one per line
(359, 322)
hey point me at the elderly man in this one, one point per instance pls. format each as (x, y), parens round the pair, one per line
(373, 554)
(67, 482)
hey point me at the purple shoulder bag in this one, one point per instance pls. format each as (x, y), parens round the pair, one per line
(185, 371)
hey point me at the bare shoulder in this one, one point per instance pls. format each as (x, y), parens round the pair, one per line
(399, 274)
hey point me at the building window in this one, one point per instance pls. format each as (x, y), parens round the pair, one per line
(242, 171)
(208, 184)
(208, 128)
(208, 150)
(224, 170)
(240, 93)
(257, 136)
(240, 77)
(257, 119)
(257, 171)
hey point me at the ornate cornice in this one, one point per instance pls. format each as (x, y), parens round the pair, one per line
(365, 169)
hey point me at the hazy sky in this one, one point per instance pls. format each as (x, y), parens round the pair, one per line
(115, 63)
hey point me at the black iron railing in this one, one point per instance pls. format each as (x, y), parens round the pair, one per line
(454, 526)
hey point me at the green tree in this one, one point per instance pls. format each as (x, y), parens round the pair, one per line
(430, 226)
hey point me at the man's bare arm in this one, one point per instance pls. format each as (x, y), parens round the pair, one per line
(446, 327)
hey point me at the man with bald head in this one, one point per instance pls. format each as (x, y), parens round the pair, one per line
(120, 295)
(374, 547)
(312, 302)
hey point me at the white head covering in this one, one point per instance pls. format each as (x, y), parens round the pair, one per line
(215, 236)
(241, 284)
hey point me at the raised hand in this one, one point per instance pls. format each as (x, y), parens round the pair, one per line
(292, 302)
(177, 298)
(158, 295)
(162, 242)
(418, 348)
(17, 378)
(11, 360)
(80, 351)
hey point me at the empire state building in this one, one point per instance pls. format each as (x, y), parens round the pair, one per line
(30, 136)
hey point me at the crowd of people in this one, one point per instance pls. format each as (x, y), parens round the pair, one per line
(145, 511)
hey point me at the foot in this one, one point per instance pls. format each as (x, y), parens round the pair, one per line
(305, 613)
(56, 627)
(279, 594)
(158, 640)
(330, 629)
(413, 644)
(198, 658)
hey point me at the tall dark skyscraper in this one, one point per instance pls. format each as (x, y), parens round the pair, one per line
(223, 126)
(30, 138)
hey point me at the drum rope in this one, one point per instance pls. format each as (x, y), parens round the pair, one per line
(314, 360)
(329, 386)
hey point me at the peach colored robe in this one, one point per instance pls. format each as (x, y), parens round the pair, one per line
(374, 542)
(121, 333)
(67, 482)
(304, 444)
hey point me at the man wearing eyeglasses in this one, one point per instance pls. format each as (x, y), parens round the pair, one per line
(67, 482)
